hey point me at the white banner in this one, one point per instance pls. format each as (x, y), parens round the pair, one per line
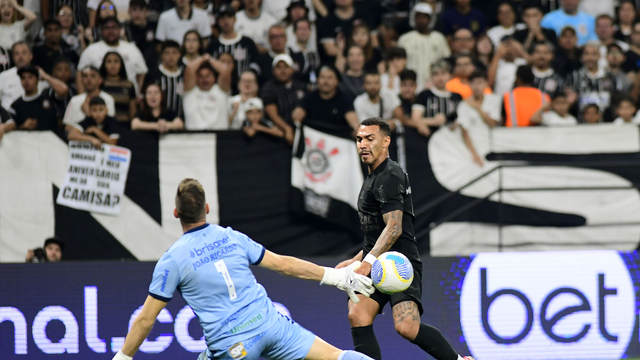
(95, 178)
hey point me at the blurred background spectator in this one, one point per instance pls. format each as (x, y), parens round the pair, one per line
(50, 252)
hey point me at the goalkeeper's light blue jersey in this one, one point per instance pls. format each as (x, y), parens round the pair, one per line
(209, 266)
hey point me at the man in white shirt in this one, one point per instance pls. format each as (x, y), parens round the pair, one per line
(477, 115)
(78, 107)
(94, 54)
(205, 101)
(424, 47)
(174, 23)
(377, 102)
(10, 87)
(255, 23)
(502, 70)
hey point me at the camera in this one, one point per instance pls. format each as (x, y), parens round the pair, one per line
(39, 256)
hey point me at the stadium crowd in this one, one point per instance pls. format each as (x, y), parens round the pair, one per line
(89, 70)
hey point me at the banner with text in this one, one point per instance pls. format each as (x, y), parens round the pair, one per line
(95, 178)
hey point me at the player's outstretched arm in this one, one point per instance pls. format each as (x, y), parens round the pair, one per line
(344, 279)
(141, 328)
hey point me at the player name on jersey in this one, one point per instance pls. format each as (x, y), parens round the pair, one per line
(95, 178)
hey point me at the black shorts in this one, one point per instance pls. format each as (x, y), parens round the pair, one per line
(413, 293)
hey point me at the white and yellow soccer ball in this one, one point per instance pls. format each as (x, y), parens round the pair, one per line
(392, 272)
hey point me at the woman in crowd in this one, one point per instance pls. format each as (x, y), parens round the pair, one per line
(105, 9)
(71, 35)
(13, 30)
(353, 77)
(484, 50)
(248, 86)
(192, 46)
(361, 36)
(117, 85)
(154, 115)
(627, 15)
(506, 16)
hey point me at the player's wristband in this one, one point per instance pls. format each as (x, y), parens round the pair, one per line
(121, 356)
(370, 259)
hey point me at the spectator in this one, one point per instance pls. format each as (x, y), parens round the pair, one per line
(308, 49)
(5, 59)
(525, 104)
(155, 116)
(544, 77)
(52, 252)
(484, 51)
(460, 83)
(567, 56)
(73, 36)
(62, 71)
(53, 47)
(632, 62)
(408, 87)
(506, 15)
(436, 106)
(424, 46)
(615, 60)
(591, 114)
(97, 128)
(141, 31)
(10, 86)
(534, 32)
(463, 16)
(277, 46)
(116, 84)
(592, 84)
(626, 111)
(328, 109)
(463, 42)
(205, 97)
(298, 11)
(133, 60)
(120, 6)
(395, 64)
(248, 86)
(281, 9)
(281, 94)
(173, 24)
(559, 112)
(255, 24)
(477, 115)
(627, 15)
(255, 121)
(78, 14)
(34, 110)
(569, 15)
(339, 25)
(11, 29)
(378, 102)
(78, 107)
(170, 76)
(502, 71)
(606, 31)
(244, 50)
(105, 9)
(192, 47)
(353, 78)
(361, 36)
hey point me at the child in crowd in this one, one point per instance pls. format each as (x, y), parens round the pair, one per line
(626, 111)
(559, 112)
(97, 128)
(408, 87)
(436, 106)
(591, 114)
(256, 122)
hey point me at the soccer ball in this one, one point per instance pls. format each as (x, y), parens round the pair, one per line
(392, 272)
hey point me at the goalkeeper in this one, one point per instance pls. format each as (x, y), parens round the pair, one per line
(209, 265)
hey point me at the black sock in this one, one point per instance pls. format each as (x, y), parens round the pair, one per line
(364, 341)
(433, 343)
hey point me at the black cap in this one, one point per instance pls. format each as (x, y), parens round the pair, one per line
(226, 10)
(111, 19)
(54, 240)
(297, 3)
(29, 69)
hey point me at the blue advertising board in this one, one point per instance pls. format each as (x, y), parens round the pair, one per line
(538, 305)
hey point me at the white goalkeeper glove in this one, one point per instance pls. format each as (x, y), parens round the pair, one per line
(121, 356)
(347, 280)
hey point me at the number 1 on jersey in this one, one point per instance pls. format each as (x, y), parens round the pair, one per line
(222, 269)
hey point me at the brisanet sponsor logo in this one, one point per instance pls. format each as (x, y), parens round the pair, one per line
(548, 305)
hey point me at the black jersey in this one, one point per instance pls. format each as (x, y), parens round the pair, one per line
(384, 190)
(549, 82)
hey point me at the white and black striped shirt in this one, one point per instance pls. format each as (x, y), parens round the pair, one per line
(548, 82)
(598, 88)
(242, 48)
(433, 102)
(80, 11)
(172, 85)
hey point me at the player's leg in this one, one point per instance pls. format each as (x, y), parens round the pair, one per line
(361, 316)
(321, 350)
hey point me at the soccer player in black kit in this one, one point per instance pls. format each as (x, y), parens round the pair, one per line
(386, 218)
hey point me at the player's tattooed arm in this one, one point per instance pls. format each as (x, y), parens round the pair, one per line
(390, 234)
